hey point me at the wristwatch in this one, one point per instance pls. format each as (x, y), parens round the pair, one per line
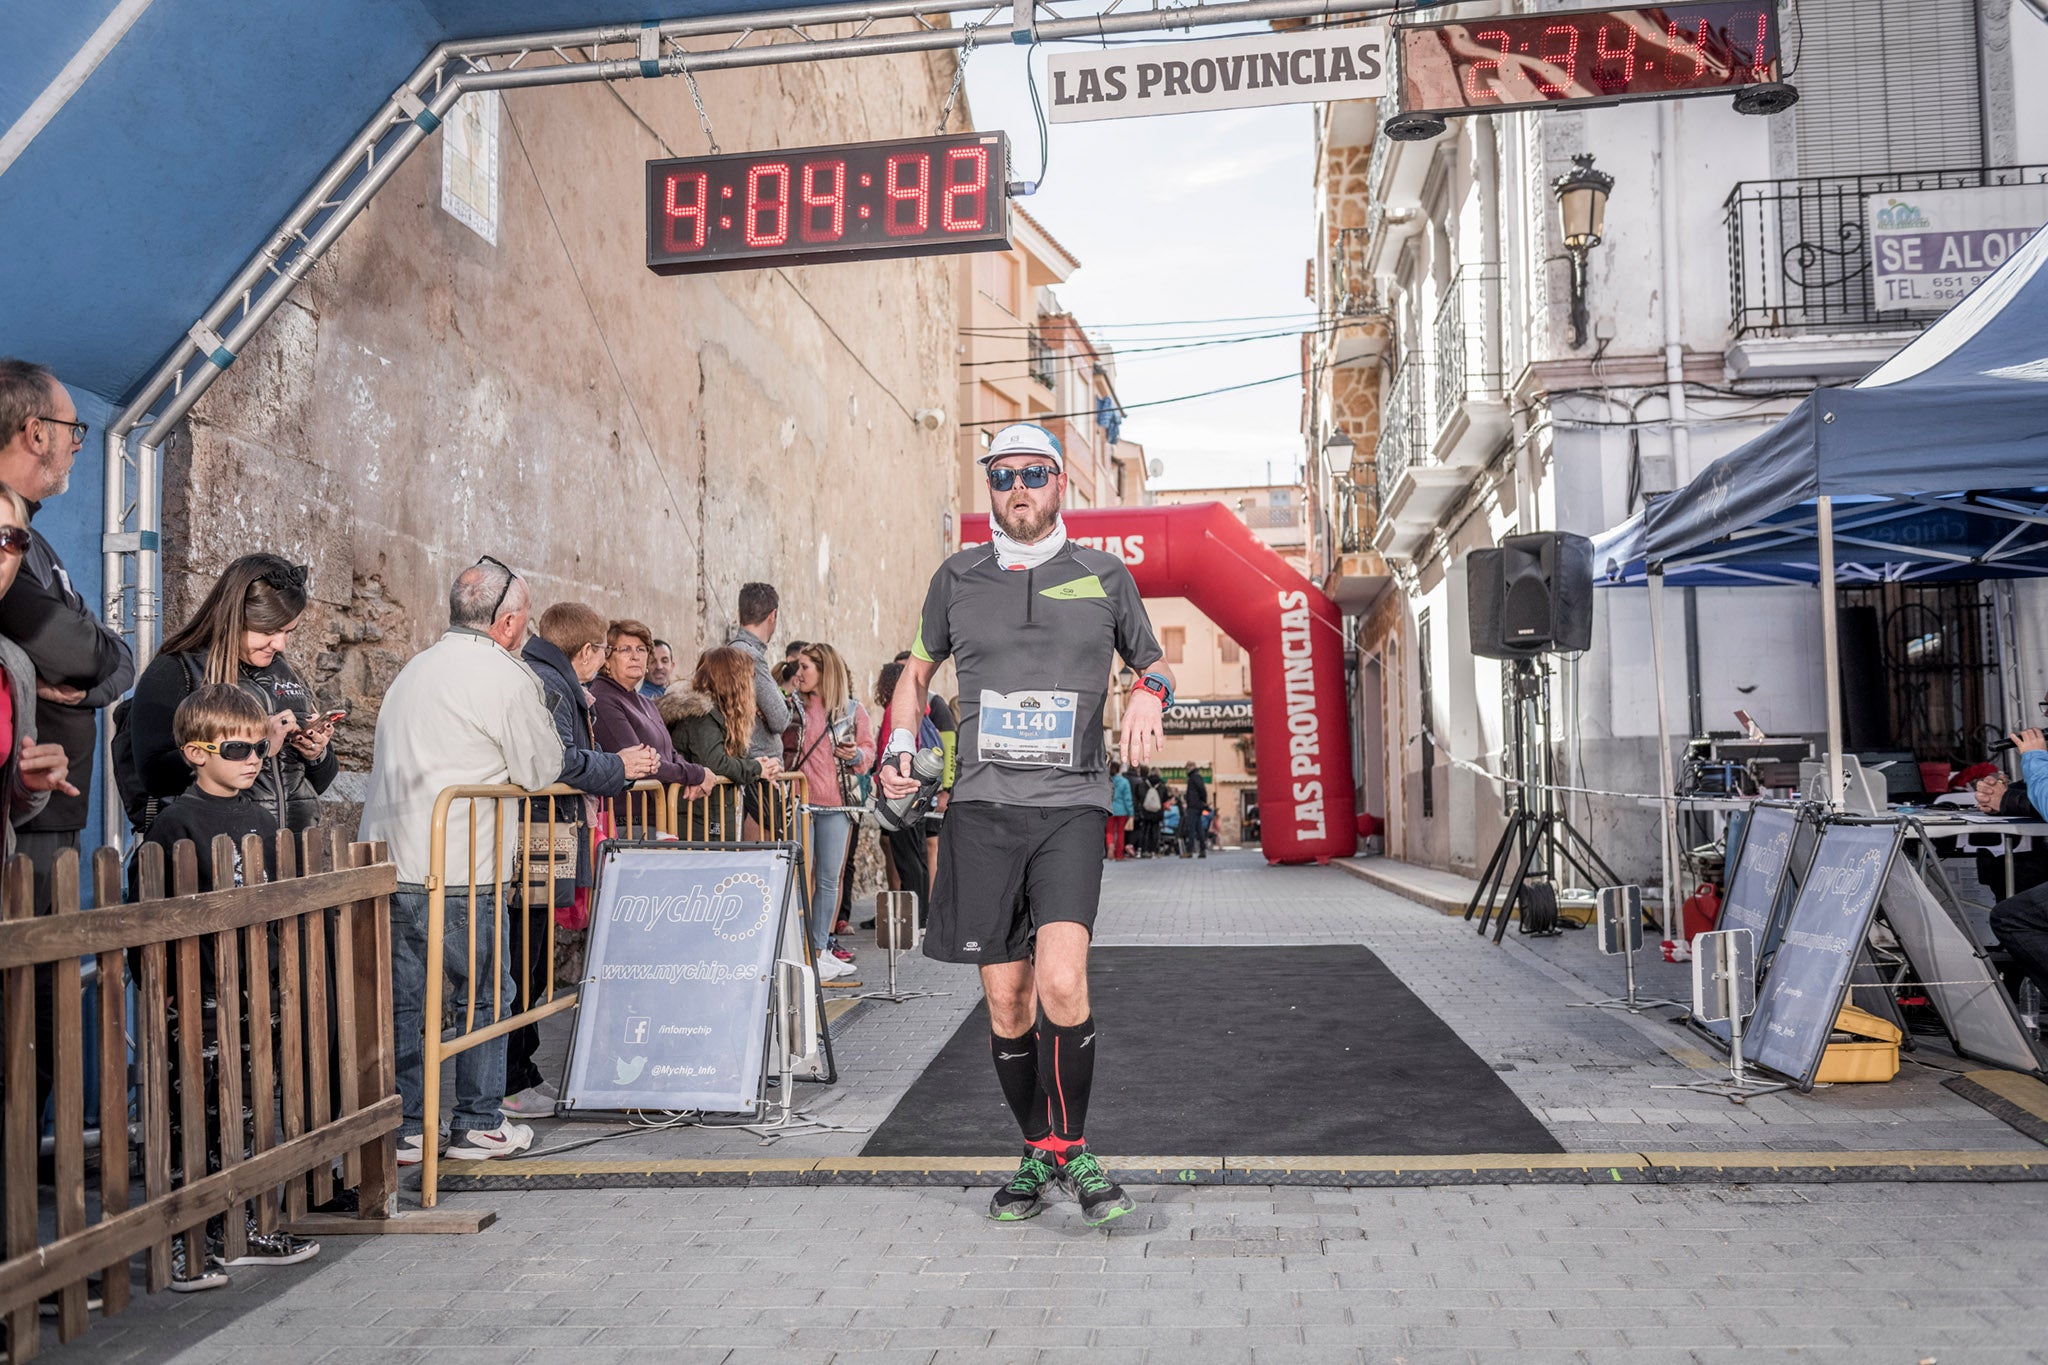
(1158, 686)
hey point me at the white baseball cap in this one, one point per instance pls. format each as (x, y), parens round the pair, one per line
(1024, 438)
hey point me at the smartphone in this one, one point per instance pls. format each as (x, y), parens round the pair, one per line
(334, 717)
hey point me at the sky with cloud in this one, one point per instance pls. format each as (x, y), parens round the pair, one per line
(1183, 226)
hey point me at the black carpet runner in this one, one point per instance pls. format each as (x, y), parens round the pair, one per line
(1286, 1051)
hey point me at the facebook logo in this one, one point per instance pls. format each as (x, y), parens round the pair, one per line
(637, 1029)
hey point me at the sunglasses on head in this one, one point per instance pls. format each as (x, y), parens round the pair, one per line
(1034, 476)
(236, 750)
(15, 540)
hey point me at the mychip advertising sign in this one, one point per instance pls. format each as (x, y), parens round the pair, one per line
(1221, 73)
(1928, 248)
(674, 1007)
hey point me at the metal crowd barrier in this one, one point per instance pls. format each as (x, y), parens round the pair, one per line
(532, 850)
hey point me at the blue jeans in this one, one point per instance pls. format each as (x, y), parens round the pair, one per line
(830, 833)
(480, 1071)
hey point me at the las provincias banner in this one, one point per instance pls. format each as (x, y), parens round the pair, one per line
(1218, 73)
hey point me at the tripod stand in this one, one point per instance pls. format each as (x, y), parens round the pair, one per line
(1535, 827)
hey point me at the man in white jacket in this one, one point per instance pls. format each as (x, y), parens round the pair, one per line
(464, 712)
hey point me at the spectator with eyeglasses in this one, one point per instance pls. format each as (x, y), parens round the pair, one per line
(624, 719)
(238, 637)
(80, 666)
(463, 712)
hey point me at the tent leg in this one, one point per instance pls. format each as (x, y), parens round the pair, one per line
(1830, 645)
(1667, 786)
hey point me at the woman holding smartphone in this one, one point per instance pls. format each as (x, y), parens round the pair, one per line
(239, 636)
(839, 744)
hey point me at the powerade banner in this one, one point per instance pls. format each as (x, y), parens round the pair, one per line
(674, 1010)
(1928, 248)
(1297, 67)
(1208, 717)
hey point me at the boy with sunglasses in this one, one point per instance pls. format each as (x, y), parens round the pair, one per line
(221, 731)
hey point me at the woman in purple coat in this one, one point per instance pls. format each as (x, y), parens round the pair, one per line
(623, 718)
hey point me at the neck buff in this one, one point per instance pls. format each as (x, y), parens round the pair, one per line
(1014, 554)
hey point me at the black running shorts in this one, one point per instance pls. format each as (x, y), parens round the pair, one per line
(1005, 870)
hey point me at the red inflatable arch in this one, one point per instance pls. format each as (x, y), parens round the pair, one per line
(1294, 635)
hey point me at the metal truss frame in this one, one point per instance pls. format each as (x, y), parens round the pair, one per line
(132, 514)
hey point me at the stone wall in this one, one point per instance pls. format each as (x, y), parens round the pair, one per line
(644, 444)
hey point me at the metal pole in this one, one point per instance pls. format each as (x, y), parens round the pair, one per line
(1830, 646)
(1667, 786)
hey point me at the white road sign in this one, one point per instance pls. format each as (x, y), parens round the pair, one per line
(1220, 73)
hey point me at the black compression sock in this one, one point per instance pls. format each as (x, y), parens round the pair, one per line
(1066, 1072)
(1016, 1062)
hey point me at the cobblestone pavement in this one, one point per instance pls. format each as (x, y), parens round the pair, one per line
(1852, 1273)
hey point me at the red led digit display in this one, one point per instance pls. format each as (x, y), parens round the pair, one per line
(1601, 56)
(919, 196)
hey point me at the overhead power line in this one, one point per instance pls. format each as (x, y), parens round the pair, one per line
(1148, 403)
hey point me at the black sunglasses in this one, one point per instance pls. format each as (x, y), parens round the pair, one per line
(502, 592)
(15, 540)
(236, 750)
(1034, 476)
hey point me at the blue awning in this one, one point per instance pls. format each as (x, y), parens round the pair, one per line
(1937, 464)
(178, 154)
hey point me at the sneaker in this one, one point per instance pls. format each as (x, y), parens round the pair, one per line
(831, 968)
(344, 1201)
(49, 1306)
(842, 928)
(189, 1280)
(276, 1248)
(1023, 1197)
(534, 1102)
(473, 1144)
(1102, 1199)
(842, 954)
(410, 1150)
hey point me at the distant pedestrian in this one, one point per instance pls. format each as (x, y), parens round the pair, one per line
(625, 719)
(1194, 825)
(841, 747)
(711, 721)
(661, 668)
(760, 608)
(1119, 810)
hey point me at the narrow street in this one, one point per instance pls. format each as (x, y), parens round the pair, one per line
(1641, 1272)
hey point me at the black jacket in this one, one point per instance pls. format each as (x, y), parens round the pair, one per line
(698, 729)
(288, 787)
(200, 817)
(584, 766)
(69, 647)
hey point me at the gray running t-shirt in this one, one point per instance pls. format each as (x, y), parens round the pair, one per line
(1033, 648)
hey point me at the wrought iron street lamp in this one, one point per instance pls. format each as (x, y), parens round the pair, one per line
(1582, 207)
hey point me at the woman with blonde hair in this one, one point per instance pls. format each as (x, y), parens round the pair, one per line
(839, 745)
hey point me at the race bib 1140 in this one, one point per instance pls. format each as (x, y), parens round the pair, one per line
(1035, 729)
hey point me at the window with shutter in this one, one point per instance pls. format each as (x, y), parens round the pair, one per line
(1885, 85)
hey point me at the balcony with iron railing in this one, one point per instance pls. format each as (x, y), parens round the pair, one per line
(1471, 371)
(1039, 354)
(1799, 255)
(1406, 424)
(1357, 514)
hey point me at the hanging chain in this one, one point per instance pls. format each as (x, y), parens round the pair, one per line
(697, 98)
(959, 73)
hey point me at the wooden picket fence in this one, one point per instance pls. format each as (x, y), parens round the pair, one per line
(310, 1059)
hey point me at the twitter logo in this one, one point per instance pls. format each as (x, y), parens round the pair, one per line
(629, 1072)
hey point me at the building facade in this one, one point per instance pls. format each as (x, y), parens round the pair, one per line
(484, 365)
(1449, 403)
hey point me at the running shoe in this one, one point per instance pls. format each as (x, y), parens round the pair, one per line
(187, 1279)
(1102, 1200)
(411, 1151)
(1024, 1197)
(842, 954)
(487, 1144)
(534, 1102)
(275, 1248)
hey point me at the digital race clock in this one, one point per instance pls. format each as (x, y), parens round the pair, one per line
(860, 201)
(1595, 56)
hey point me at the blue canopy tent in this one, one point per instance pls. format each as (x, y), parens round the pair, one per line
(1934, 466)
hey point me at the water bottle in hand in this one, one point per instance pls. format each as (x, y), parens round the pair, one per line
(928, 766)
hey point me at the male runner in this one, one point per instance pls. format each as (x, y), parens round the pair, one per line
(1030, 622)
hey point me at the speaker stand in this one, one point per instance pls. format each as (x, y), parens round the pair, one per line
(892, 995)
